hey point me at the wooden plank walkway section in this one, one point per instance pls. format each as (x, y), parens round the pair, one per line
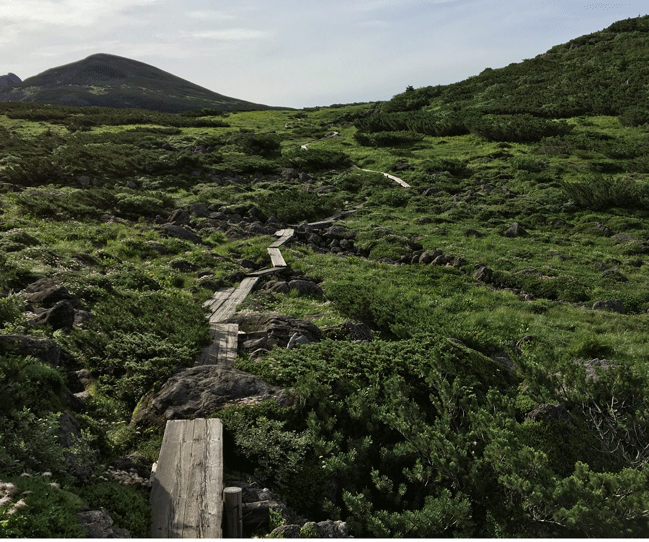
(284, 235)
(229, 306)
(187, 490)
(223, 350)
(276, 257)
(268, 271)
(391, 177)
(218, 298)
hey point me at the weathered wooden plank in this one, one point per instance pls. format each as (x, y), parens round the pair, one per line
(218, 298)
(223, 350)
(229, 307)
(285, 236)
(212, 518)
(162, 488)
(267, 271)
(391, 177)
(186, 494)
(276, 257)
(193, 456)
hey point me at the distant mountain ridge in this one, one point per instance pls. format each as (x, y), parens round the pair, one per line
(9, 80)
(112, 81)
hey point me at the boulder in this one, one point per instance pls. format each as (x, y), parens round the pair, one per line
(351, 331)
(44, 349)
(47, 293)
(306, 287)
(98, 524)
(514, 230)
(269, 329)
(199, 210)
(197, 392)
(296, 339)
(60, 316)
(612, 305)
(181, 233)
(483, 274)
(179, 217)
(80, 458)
(276, 287)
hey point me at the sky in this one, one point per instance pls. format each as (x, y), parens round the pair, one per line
(299, 53)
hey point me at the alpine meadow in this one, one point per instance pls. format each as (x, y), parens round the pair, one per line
(464, 353)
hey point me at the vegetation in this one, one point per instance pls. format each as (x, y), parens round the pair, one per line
(488, 405)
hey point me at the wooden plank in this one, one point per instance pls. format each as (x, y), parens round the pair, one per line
(229, 307)
(391, 177)
(223, 350)
(162, 487)
(169, 482)
(186, 494)
(267, 271)
(285, 236)
(276, 257)
(218, 298)
(212, 518)
(191, 500)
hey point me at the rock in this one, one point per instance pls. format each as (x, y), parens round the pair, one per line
(9, 80)
(44, 349)
(84, 180)
(306, 287)
(290, 173)
(47, 293)
(60, 316)
(615, 274)
(352, 331)
(605, 231)
(270, 329)
(98, 524)
(181, 233)
(286, 531)
(322, 529)
(296, 339)
(439, 260)
(199, 210)
(612, 305)
(336, 232)
(592, 364)
(514, 230)
(483, 274)
(197, 392)
(81, 463)
(276, 287)
(549, 413)
(179, 218)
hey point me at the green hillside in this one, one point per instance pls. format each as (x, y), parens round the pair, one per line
(112, 81)
(505, 390)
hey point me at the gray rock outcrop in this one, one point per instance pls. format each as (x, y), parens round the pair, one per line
(197, 392)
(612, 305)
(266, 330)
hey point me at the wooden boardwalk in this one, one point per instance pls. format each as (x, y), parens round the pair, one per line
(187, 490)
(223, 350)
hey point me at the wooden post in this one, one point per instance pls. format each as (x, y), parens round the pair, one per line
(233, 512)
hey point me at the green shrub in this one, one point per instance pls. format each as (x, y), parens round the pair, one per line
(598, 192)
(387, 139)
(293, 205)
(128, 507)
(50, 512)
(313, 160)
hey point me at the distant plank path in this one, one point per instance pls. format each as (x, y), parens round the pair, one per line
(187, 489)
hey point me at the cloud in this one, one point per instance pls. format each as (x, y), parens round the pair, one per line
(209, 15)
(227, 34)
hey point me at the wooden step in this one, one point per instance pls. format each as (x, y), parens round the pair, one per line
(187, 491)
(229, 306)
(223, 350)
(276, 257)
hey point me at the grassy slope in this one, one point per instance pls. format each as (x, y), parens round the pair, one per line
(561, 248)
